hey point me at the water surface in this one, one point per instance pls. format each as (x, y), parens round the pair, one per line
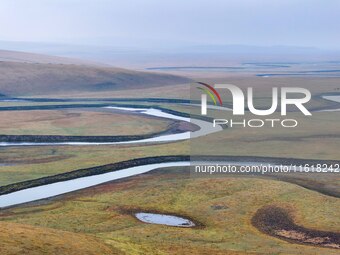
(58, 188)
(205, 128)
(164, 219)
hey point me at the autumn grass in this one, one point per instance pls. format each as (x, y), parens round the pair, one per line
(26, 239)
(101, 211)
(316, 137)
(35, 162)
(78, 122)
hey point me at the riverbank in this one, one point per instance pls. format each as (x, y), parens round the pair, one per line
(156, 160)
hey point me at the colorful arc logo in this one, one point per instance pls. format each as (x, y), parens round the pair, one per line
(209, 90)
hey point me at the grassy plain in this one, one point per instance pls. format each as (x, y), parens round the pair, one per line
(316, 137)
(78, 122)
(27, 239)
(262, 88)
(35, 162)
(225, 207)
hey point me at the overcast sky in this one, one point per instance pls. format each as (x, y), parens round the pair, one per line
(173, 22)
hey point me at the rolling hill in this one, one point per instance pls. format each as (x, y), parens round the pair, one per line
(25, 74)
(26, 239)
(25, 57)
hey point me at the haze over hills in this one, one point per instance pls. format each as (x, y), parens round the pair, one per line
(26, 74)
(25, 57)
(141, 57)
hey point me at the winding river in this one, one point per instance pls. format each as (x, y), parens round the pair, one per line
(59, 188)
(54, 189)
(205, 128)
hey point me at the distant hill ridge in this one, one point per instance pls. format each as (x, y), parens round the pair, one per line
(26, 74)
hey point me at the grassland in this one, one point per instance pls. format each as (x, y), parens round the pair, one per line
(316, 137)
(97, 219)
(79, 122)
(34, 79)
(225, 207)
(35, 162)
(26, 239)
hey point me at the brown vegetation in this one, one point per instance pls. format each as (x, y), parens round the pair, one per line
(278, 222)
(26, 239)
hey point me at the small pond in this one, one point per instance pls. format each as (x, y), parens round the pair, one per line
(164, 219)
